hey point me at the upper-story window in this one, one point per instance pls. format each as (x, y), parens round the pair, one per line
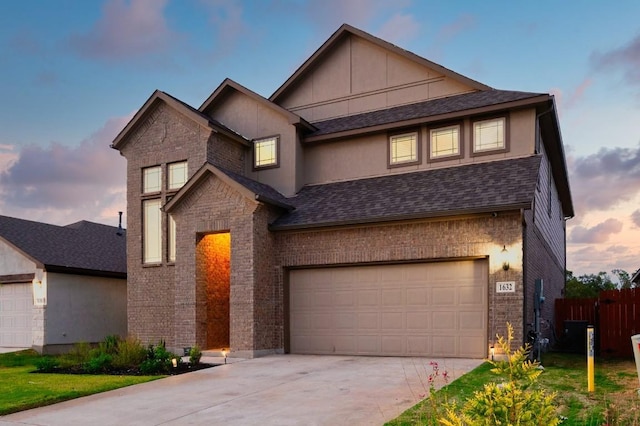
(403, 149)
(444, 142)
(178, 173)
(490, 135)
(265, 152)
(151, 179)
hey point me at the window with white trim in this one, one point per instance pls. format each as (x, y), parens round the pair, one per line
(489, 135)
(151, 179)
(178, 173)
(403, 148)
(265, 152)
(152, 231)
(171, 236)
(444, 142)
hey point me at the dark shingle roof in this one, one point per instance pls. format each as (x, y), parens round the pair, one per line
(80, 246)
(473, 188)
(264, 192)
(424, 109)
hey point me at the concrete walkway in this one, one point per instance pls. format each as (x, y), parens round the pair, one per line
(273, 390)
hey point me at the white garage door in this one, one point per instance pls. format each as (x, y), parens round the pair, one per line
(422, 309)
(16, 303)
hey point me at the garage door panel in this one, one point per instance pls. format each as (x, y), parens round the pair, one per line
(16, 316)
(428, 309)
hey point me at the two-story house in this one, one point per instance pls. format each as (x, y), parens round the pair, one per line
(377, 203)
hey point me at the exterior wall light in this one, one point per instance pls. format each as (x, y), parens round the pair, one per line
(505, 261)
(174, 362)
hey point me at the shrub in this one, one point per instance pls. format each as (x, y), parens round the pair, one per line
(80, 353)
(158, 360)
(130, 352)
(46, 364)
(194, 355)
(511, 402)
(110, 344)
(98, 364)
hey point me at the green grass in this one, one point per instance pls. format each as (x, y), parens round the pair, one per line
(23, 389)
(614, 402)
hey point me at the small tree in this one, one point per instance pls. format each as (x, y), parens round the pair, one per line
(512, 402)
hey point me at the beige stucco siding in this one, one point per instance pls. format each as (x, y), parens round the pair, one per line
(358, 76)
(255, 120)
(13, 262)
(84, 308)
(367, 156)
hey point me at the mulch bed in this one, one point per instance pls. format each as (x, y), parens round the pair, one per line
(133, 371)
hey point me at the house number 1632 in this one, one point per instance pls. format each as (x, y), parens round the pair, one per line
(505, 287)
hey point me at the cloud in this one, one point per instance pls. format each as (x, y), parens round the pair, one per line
(603, 180)
(598, 234)
(625, 58)
(127, 29)
(448, 32)
(62, 184)
(8, 156)
(635, 218)
(360, 13)
(574, 97)
(400, 27)
(593, 259)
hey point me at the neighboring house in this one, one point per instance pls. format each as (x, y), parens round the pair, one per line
(377, 204)
(635, 278)
(61, 285)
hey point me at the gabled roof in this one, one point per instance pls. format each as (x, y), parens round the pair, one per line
(255, 191)
(80, 248)
(636, 277)
(344, 31)
(179, 106)
(434, 109)
(468, 189)
(229, 85)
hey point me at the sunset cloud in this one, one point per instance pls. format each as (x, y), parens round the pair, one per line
(603, 180)
(625, 59)
(126, 30)
(598, 234)
(635, 218)
(62, 184)
(400, 27)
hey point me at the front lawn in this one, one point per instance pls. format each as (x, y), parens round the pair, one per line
(22, 388)
(614, 402)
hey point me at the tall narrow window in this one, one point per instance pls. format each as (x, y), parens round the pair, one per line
(489, 135)
(265, 152)
(178, 173)
(172, 239)
(403, 149)
(444, 142)
(152, 231)
(151, 179)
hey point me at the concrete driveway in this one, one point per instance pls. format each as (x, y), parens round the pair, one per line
(273, 390)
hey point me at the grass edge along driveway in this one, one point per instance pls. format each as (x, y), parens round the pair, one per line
(23, 389)
(614, 402)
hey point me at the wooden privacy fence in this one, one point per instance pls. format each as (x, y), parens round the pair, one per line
(614, 313)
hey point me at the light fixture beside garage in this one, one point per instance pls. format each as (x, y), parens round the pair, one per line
(505, 258)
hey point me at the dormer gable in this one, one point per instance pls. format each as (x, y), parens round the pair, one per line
(355, 72)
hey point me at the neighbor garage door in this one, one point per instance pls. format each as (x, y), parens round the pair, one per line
(16, 301)
(425, 309)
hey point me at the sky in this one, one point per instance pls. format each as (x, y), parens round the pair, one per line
(74, 72)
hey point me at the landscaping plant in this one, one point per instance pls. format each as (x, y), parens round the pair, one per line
(511, 402)
(194, 355)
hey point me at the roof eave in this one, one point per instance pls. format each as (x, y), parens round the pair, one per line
(402, 218)
(428, 119)
(83, 271)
